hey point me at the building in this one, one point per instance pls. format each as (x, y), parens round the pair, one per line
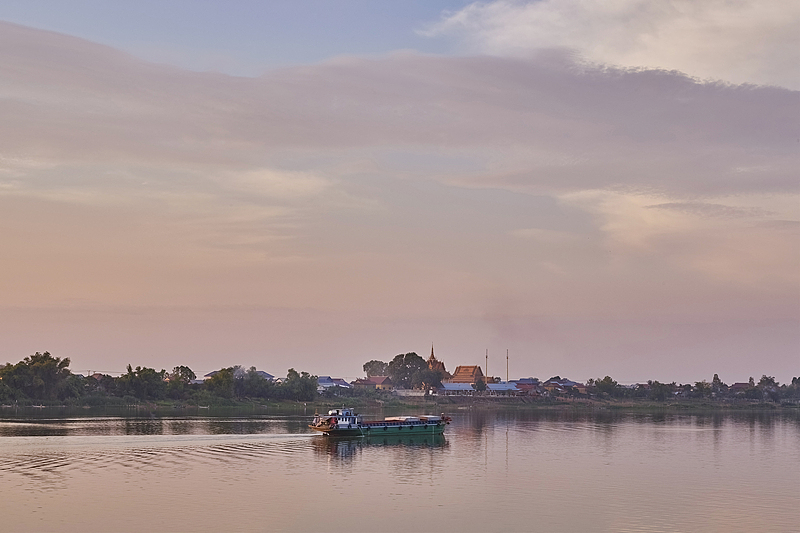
(437, 366)
(503, 388)
(326, 382)
(362, 383)
(529, 386)
(467, 374)
(382, 382)
(563, 385)
(456, 389)
(737, 388)
(374, 382)
(240, 372)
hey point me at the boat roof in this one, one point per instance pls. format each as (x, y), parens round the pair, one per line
(342, 412)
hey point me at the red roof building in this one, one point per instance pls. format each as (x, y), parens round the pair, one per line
(382, 382)
(467, 374)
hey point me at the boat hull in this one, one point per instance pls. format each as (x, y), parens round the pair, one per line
(384, 430)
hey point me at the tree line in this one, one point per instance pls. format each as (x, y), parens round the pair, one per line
(767, 388)
(411, 371)
(43, 378)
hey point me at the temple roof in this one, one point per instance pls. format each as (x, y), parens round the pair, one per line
(437, 366)
(467, 374)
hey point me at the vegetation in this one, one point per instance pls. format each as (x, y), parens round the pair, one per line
(767, 389)
(43, 378)
(376, 368)
(38, 376)
(410, 371)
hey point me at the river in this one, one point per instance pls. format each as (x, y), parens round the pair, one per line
(493, 470)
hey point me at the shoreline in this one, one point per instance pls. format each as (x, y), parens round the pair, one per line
(434, 404)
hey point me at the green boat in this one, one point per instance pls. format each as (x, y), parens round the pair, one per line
(346, 423)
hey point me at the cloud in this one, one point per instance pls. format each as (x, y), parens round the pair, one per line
(740, 41)
(545, 236)
(712, 210)
(270, 165)
(273, 184)
(544, 123)
(449, 188)
(723, 245)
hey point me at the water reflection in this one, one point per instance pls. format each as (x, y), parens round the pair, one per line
(345, 449)
(143, 427)
(476, 421)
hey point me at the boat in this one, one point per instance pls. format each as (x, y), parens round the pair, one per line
(346, 423)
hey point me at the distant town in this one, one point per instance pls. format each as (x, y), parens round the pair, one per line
(42, 379)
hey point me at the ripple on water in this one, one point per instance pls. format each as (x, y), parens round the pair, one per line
(584, 474)
(41, 468)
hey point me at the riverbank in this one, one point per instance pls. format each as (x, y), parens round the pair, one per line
(433, 404)
(521, 404)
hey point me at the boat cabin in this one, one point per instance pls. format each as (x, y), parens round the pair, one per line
(344, 417)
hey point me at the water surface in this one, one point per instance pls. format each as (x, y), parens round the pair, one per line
(491, 471)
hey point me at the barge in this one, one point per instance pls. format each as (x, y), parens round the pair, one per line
(346, 423)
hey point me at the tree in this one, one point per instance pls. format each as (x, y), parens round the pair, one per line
(717, 385)
(74, 387)
(607, 385)
(300, 386)
(6, 393)
(253, 385)
(39, 376)
(143, 383)
(793, 390)
(752, 392)
(703, 388)
(179, 380)
(182, 374)
(104, 385)
(221, 383)
(376, 368)
(404, 368)
(767, 382)
(428, 379)
(660, 391)
(769, 387)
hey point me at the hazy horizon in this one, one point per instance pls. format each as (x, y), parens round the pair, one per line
(599, 190)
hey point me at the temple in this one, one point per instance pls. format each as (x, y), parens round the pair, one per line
(437, 366)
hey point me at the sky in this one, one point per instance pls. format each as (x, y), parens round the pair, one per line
(597, 188)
